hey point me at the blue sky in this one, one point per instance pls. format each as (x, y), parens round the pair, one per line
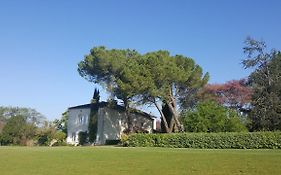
(41, 42)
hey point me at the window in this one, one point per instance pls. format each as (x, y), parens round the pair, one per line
(73, 136)
(80, 119)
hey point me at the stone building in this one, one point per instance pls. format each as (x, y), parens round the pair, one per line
(111, 121)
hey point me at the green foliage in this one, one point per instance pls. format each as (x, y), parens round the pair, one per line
(83, 138)
(211, 117)
(235, 140)
(30, 115)
(60, 136)
(61, 124)
(112, 142)
(45, 135)
(266, 82)
(43, 139)
(93, 123)
(18, 131)
(155, 77)
(96, 96)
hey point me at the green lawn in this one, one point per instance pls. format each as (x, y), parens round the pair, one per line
(114, 160)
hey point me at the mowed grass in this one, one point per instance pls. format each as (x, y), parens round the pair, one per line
(114, 160)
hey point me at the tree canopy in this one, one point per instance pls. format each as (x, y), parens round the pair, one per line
(235, 94)
(210, 116)
(266, 83)
(155, 77)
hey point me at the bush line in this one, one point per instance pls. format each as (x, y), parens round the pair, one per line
(229, 140)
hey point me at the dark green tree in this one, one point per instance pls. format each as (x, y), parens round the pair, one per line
(18, 131)
(96, 96)
(266, 83)
(156, 78)
(170, 79)
(83, 138)
(116, 70)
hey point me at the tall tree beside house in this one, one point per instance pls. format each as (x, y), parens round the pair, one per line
(93, 119)
(266, 83)
(156, 78)
(116, 70)
(170, 79)
(96, 96)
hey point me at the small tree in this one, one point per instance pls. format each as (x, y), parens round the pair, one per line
(18, 131)
(61, 124)
(82, 137)
(209, 116)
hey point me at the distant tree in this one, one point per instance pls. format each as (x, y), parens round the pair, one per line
(61, 124)
(235, 94)
(18, 131)
(31, 115)
(49, 135)
(209, 116)
(266, 83)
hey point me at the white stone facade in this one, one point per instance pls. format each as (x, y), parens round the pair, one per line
(111, 123)
(78, 120)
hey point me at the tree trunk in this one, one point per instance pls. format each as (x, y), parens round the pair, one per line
(128, 116)
(173, 109)
(163, 118)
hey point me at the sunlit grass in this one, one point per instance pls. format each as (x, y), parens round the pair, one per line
(114, 160)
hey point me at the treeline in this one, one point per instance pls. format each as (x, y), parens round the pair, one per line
(27, 127)
(253, 103)
(178, 89)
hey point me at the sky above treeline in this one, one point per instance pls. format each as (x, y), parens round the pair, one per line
(41, 42)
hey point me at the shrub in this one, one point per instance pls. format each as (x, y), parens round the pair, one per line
(231, 140)
(112, 142)
(60, 136)
(82, 138)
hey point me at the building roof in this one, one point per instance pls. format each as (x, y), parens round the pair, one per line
(116, 107)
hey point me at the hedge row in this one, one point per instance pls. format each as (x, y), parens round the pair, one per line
(242, 140)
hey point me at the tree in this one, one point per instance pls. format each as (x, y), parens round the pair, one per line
(169, 81)
(93, 121)
(50, 135)
(113, 69)
(96, 96)
(82, 137)
(235, 94)
(156, 78)
(18, 131)
(61, 124)
(266, 83)
(31, 115)
(208, 116)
